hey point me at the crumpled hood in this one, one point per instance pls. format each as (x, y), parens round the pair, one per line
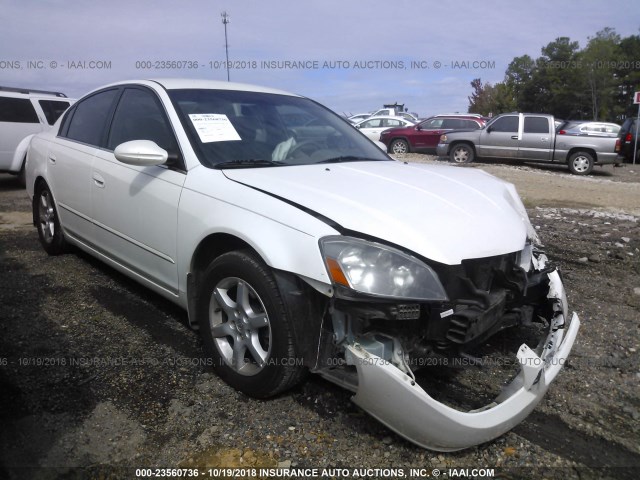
(444, 213)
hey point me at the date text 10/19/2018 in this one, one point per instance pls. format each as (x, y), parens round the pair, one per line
(225, 472)
(314, 65)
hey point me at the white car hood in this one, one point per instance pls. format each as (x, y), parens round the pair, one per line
(444, 213)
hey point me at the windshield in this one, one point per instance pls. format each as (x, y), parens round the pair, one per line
(238, 129)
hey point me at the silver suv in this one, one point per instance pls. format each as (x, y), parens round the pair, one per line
(24, 112)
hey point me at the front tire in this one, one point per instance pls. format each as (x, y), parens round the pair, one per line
(461, 153)
(245, 326)
(581, 163)
(46, 215)
(399, 146)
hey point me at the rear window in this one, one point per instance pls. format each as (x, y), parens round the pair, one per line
(536, 125)
(53, 109)
(17, 110)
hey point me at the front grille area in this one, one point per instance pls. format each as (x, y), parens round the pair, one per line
(486, 296)
(408, 312)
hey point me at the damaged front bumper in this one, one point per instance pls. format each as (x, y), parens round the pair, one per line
(393, 397)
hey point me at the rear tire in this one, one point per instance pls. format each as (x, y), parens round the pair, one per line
(581, 163)
(245, 327)
(461, 153)
(46, 216)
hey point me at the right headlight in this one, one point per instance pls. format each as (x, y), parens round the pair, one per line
(376, 269)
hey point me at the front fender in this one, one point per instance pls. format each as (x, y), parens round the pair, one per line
(285, 237)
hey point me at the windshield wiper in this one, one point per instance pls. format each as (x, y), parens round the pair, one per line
(249, 163)
(347, 158)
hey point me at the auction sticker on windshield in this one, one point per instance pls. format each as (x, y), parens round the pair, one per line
(213, 127)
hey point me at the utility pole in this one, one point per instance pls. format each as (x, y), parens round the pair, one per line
(225, 21)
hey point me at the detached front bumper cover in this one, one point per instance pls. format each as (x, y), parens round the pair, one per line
(391, 396)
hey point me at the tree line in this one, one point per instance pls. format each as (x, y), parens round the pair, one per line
(593, 83)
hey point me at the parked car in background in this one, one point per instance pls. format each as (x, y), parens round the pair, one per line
(587, 127)
(424, 136)
(358, 117)
(465, 115)
(293, 254)
(625, 143)
(24, 112)
(372, 127)
(530, 137)
(392, 112)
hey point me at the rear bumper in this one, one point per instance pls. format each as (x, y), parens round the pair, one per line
(391, 396)
(608, 158)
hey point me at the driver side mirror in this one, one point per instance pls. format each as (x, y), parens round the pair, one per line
(418, 127)
(489, 129)
(141, 153)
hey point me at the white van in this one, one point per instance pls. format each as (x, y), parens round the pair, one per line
(24, 112)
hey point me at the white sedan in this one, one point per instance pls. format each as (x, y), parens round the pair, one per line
(358, 117)
(298, 250)
(372, 127)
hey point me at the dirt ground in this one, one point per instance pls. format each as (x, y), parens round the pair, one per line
(99, 376)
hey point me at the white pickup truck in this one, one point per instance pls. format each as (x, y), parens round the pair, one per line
(532, 138)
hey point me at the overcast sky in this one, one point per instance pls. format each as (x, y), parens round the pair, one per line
(51, 44)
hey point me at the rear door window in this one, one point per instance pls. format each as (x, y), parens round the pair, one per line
(90, 116)
(390, 122)
(453, 124)
(17, 110)
(536, 125)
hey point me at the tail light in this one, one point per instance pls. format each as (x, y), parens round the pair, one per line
(617, 147)
(562, 132)
(628, 138)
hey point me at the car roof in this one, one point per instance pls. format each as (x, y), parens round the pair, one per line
(183, 83)
(464, 115)
(457, 117)
(198, 84)
(390, 117)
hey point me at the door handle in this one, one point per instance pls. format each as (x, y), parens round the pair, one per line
(543, 139)
(514, 137)
(98, 180)
(52, 159)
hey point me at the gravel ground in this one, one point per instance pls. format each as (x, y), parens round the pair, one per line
(97, 373)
